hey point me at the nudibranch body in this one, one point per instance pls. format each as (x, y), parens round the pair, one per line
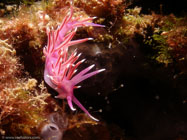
(60, 69)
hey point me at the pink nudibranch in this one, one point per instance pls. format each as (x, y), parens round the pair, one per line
(60, 69)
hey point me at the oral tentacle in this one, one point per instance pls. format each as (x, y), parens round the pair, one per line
(69, 99)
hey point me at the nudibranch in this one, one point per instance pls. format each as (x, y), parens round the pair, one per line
(60, 69)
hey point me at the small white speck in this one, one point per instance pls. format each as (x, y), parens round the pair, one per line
(184, 101)
(175, 76)
(109, 46)
(122, 85)
(78, 86)
(157, 97)
(100, 110)
(106, 98)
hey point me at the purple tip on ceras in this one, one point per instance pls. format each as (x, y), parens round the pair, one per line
(60, 69)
